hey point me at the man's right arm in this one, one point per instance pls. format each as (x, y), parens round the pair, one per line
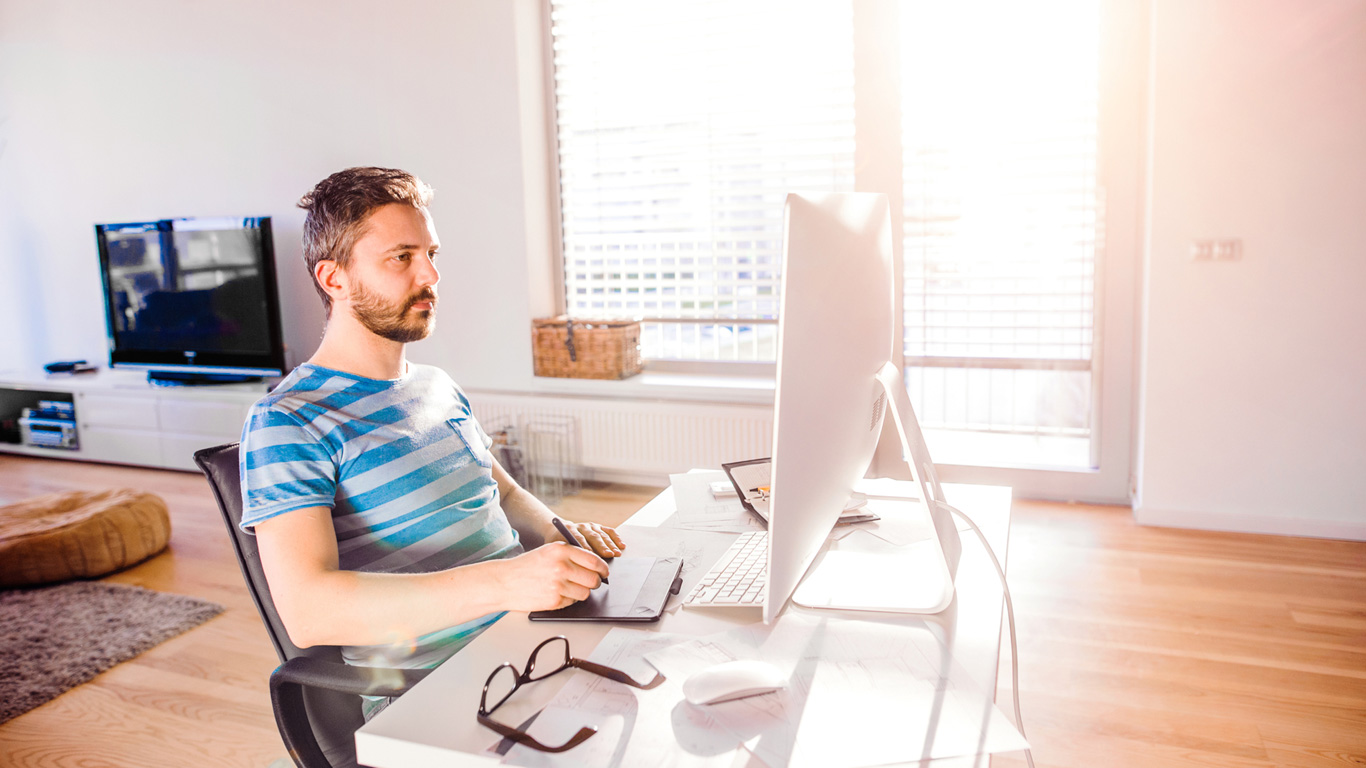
(322, 605)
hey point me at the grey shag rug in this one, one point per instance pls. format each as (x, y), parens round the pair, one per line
(53, 639)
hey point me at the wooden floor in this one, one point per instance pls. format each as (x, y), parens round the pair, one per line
(1141, 646)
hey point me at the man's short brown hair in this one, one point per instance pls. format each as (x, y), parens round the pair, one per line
(339, 206)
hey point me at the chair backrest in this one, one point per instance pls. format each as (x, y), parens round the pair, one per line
(334, 716)
(221, 467)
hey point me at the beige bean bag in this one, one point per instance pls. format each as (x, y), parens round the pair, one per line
(79, 534)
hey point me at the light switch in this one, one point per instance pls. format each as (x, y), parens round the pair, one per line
(1227, 249)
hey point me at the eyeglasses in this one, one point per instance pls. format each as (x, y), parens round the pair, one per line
(553, 657)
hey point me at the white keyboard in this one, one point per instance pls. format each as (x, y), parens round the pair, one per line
(739, 578)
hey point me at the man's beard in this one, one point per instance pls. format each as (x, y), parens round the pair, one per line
(391, 321)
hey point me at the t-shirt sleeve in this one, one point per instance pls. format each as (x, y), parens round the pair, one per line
(284, 466)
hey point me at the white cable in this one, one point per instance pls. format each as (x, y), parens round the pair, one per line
(1010, 620)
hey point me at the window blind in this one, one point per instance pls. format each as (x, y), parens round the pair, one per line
(681, 128)
(1001, 211)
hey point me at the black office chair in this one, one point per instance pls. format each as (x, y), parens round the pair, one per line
(315, 694)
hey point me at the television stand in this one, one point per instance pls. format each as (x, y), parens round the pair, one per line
(123, 418)
(185, 379)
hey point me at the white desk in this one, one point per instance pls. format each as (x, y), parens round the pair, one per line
(434, 723)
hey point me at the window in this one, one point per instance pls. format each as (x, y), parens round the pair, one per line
(999, 147)
(681, 129)
(682, 126)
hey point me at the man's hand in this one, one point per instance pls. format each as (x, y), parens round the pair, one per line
(550, 577)
(598, 538)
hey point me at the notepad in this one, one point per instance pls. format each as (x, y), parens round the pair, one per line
(750, 481)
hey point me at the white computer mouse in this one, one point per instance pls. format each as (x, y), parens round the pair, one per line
(733, 680)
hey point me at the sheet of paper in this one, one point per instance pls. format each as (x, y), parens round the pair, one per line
(894, 686)
(698, 510)
(635, 727)
(699, 550)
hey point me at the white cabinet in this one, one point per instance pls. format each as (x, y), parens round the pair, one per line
(122, 419)
(132, 410)
(189, 424)
(118, 446)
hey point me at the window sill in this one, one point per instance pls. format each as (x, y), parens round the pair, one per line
(666, 386)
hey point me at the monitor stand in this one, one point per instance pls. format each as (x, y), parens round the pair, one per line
(910, 568)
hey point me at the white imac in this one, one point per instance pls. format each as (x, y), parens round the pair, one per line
(836, 334)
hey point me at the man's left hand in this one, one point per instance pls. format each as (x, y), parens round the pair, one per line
(598, 538)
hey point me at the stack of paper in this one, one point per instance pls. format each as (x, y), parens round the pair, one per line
(895, 686)
(698, 510)
(635, 727)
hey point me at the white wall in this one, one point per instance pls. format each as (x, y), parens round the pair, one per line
(146, 109)
(1251, 408)
(1254, 385)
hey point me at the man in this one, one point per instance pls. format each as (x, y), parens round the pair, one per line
(384, 524)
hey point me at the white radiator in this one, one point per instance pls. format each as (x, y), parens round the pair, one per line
(639, 441)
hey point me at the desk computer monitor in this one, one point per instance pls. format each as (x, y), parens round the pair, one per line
(836, 378)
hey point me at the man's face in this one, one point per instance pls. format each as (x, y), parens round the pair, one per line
(392, 274)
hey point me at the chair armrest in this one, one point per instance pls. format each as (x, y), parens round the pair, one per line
(347, 678)
(287, 684)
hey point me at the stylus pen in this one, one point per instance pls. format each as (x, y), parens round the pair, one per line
(569, 537)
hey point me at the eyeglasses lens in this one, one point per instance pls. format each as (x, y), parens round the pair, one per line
(500, 687)
(549, 657)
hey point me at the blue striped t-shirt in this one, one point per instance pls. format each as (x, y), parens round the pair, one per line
(405, 469)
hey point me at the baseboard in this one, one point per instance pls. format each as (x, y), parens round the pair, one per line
(1235, 523)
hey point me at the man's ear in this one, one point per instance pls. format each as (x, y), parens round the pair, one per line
(332, 278)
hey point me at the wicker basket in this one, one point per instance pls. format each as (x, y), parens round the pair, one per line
(585, 349)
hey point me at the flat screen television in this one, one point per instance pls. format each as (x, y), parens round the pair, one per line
(192, 300)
